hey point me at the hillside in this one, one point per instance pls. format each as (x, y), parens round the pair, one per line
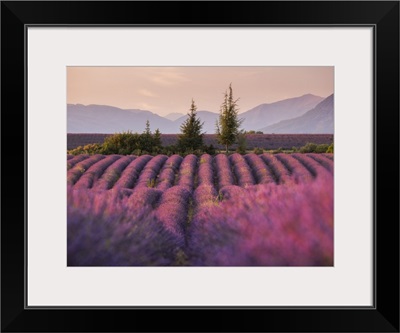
(318, 120)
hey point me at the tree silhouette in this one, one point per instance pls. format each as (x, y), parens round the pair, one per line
(191, 137)
(228, 123)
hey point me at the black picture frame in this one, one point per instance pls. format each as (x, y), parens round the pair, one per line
(383, 316)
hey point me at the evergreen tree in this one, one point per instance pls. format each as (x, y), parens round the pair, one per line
(157, 144)
(146, 139)
(228, 123)
(191, 137)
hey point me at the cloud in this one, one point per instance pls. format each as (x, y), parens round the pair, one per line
(147, 106)
(147, 93)
(169, 77)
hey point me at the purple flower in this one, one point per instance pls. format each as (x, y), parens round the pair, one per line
(271, 225)
(241, 170)
(224, 170)
(173, 211)
(167, 176)
(102, 231)
(95, 171)
(132, 172)
(80, 168)
(113, 173)
(261, 172)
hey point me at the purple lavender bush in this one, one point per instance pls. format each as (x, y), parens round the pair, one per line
(91, 175)
(167, 175)
(224, 170)
(205, 171)
(241, 170)
(271, 225)
(109, 229)
(80, 168)
(113, 173)
(131, 173)
(261, 172)
(173, 211)
(278, 170)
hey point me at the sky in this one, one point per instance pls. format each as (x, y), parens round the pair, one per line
(165, 90)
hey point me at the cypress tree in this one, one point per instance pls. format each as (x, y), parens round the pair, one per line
(228, 123)
(191, 137)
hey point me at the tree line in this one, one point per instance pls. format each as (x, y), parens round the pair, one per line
(190, 140)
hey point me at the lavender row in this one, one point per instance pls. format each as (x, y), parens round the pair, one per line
(80, 168)
(167, 175)
(278, 169)
(113, 173)
(172, 211)
(69, 156)
(205, 172)
(149, 174)
(315, 168)
(261, 172)
(204, 196)
(272, 225)
(76, 159)
(328, 155)
(224, 170)
(104, 230)
(95, 171)
(323, 160)
(242, 170)
(187, 172)
(298, 172)
(132, 172)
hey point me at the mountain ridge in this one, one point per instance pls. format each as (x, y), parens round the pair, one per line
(97, 118)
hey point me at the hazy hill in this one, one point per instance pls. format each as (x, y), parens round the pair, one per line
(318, 120)
(109, 119)
(174, 116)
(267, 114)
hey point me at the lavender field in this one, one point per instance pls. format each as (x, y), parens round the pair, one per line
(237, 210)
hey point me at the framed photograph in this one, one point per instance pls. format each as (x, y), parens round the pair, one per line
(199, 159)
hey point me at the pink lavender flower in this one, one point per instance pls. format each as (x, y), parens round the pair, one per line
(80, 168)
(272, 225)
(112, 173)
(261, 172)
(205, 172)
(241, 170)
(299, 173)
(187, 172)
(224, 170)
(132, 172)
(95, 171)
(280, 172)
(328, 155)
(232, 192)
(103, 232)
(173, 211)
(166, 179)
(314, 167)
(150, 171)
(75, 159)
(204, 196)
(325, 161)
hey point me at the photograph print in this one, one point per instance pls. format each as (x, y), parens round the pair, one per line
(200, 166)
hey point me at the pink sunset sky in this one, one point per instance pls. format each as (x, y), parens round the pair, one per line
(165, 90)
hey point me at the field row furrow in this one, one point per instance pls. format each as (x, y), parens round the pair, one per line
(163, 172)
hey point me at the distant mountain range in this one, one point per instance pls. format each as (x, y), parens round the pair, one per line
(318, 120)
(278, 117)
